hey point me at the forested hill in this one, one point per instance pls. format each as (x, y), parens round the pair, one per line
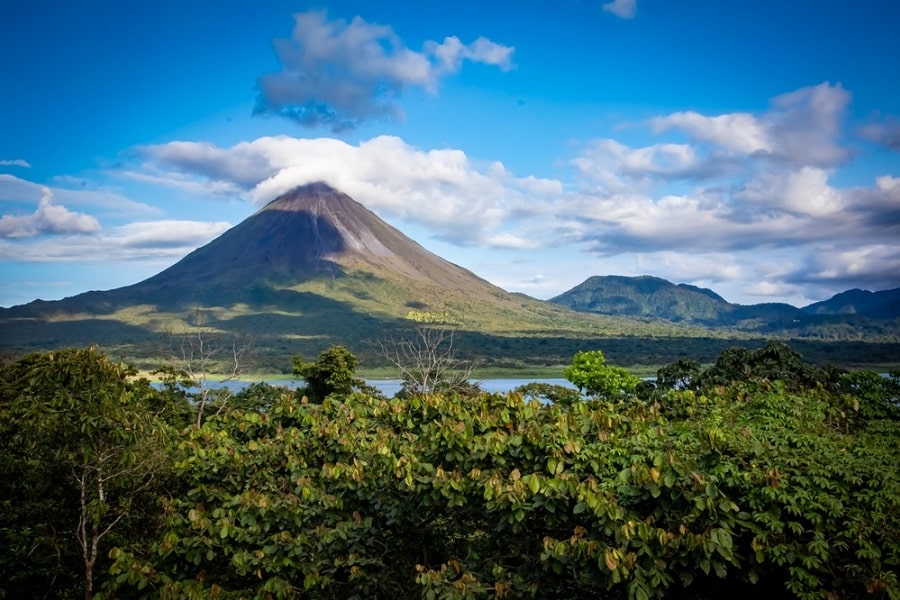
(876, 305)
(656, 298)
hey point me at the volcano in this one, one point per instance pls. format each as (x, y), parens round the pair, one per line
(311, 233)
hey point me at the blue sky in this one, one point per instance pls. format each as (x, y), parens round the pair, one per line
(749, 147)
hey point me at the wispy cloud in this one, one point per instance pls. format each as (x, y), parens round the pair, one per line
(151, 240)
(18, 162)
(339, 74)
(625, 9)
(16, 189)
(54, 232)
(885, 132)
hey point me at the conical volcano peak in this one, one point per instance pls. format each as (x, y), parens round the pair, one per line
(333, 222)
(299, 197)
(312, 231)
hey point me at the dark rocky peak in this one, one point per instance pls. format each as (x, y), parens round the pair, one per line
(309, 232)
(334, 221)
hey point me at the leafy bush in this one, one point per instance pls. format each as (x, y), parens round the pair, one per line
(590, 373)
(548, 392)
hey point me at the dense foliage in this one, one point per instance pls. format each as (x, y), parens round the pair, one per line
(83, 455)
(759, 475)
(590, 373)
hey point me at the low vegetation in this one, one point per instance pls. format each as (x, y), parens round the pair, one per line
(759, 475)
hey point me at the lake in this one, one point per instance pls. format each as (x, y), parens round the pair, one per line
(390, 387)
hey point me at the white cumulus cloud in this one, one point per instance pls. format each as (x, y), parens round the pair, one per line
(48, 219)
(340, 74)
(748, 196)
(799, 128)
(442, 189)
(740, 132)
(803, 192)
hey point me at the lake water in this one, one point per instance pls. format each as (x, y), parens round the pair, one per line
(390, 387)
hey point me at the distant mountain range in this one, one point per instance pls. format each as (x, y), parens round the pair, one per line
(655, 298)
(876, 305)
(315, 268)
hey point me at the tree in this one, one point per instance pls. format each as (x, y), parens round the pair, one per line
(775, 361)
(427, 361)
(194, 356)
(682, 374)
(875, 396)
(81, 423)
(590, 373)
(333, 372)
(258, 397)
(548, 392)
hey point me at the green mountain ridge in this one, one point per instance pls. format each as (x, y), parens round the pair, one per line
(656, 298)
(883, 304)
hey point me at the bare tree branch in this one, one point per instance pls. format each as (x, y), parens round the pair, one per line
(198, 352)
(426, 359)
